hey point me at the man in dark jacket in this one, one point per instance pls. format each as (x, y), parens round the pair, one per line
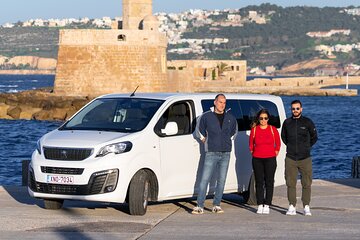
(299, 135)
(216, 130)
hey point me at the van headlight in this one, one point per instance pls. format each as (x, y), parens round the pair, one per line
(115, 148)
(38, 147)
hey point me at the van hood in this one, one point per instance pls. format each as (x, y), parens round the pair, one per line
(80, 138)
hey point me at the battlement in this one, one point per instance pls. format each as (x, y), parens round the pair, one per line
(112, 37)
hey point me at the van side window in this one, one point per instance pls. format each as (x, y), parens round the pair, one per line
(182, 113)
(251, 107)
(245, 111)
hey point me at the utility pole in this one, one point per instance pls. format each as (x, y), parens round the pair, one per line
(347, 77)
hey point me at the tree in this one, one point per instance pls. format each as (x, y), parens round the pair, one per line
(223, 67)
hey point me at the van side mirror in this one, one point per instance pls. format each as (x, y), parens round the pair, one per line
(171, 128)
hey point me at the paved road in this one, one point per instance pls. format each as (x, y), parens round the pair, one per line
(335, 208)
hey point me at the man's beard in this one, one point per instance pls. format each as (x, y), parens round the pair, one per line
(297, 114)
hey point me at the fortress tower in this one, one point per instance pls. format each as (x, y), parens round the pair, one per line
(95, 62)
(134, 11)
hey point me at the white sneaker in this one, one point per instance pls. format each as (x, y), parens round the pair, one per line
(197, 210)
(307, 210)
(266, 209)
(260, 209)
(291, 211)
(217, 209)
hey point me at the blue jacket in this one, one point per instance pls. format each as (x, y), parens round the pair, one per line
(217, 139)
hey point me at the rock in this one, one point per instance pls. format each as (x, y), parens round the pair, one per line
(79, 103)
(59, 113)
(70, 112)
(11, 100)
(28, 111)
(63, 103)
(14, 112)
(3, 111)
(42, 115)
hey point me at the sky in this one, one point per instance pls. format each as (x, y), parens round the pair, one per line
(20, 10)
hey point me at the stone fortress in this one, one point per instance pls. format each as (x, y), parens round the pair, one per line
(133, 53)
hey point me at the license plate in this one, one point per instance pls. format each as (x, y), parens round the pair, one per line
(60, 179)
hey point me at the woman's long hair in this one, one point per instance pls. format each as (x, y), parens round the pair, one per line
(256, 121)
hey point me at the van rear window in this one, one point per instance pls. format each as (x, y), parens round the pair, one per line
(245, 111)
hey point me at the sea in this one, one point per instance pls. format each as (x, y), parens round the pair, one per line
(335, 119)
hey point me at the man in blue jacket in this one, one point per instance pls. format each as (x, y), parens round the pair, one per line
(216, 130)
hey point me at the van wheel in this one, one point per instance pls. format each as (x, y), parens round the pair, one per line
(139, 192)
(250, 195)
(53, 204)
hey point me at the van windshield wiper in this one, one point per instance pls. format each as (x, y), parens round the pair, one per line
(96, 129)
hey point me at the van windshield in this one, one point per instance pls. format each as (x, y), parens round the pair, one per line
(114, 114)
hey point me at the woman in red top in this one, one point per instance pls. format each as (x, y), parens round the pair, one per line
(264, 144)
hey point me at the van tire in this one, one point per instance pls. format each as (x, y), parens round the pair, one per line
(53, 204)
(250, 195)
(139, 193)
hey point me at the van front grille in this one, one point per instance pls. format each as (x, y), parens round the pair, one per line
(67, 154)
(57, 170)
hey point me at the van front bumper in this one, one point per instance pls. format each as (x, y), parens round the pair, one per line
(99, 182)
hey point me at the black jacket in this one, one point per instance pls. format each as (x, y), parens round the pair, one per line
(299, 135)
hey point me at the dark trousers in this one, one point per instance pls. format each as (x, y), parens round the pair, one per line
(264, 170)
(292, 169)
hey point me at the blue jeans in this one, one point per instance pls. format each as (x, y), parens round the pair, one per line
(218, 161)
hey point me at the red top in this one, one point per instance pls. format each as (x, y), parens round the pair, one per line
(265, 142)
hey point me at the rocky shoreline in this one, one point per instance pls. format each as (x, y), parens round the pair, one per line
(39, 104)
(43, 104)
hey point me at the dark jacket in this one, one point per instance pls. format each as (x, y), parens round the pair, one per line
(217, 139)
(299, 135)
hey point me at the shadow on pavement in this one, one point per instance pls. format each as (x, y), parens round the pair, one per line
(21, 195)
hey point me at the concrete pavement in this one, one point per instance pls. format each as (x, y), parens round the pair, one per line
(335, 207)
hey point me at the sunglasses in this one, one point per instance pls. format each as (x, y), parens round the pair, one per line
(295, 109)
(263, 118)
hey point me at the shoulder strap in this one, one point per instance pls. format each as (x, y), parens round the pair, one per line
(254, 132)
(272, 131)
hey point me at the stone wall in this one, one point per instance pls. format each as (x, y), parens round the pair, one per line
(316, 82)
(32, 61)
(96, 62)
(196, 75)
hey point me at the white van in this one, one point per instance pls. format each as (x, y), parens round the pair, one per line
(140, 147)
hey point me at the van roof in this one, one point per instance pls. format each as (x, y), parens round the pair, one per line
(165, 96)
